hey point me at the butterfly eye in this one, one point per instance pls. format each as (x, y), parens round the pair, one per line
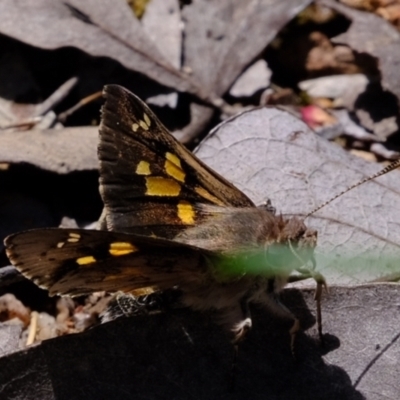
(294, 231)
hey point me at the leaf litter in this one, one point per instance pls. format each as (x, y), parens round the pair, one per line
(190, 64)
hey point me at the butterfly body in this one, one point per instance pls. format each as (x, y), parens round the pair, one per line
(171, 222)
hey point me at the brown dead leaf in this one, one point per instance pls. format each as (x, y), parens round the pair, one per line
(323, 56)
(390, 13)
(387, 9)
(11, 307)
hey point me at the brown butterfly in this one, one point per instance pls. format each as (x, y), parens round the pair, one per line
(171, 222)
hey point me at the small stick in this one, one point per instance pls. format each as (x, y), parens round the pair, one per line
(32, 328)
(86, 100)
(56, 97)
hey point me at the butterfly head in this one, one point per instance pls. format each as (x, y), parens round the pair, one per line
(293, 247)
(296, 232)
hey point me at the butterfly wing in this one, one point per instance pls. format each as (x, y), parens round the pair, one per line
(75, 261)
(149, 182)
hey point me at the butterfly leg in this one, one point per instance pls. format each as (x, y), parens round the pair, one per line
(306, 273)
(321, 284)
(244, 324)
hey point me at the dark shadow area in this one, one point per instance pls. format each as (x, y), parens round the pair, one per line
(34, 198)
(180, 355)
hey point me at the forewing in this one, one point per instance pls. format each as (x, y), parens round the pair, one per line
(75, 262)
(149, 182)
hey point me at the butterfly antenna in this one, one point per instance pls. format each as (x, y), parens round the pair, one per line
(395, 164)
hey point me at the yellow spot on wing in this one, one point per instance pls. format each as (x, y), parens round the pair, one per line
(86, 260)
(173, 158)
(60, 245)
(143, 125)
(207, 195)
(146, 119)
(186, 212)
(73, 237)
(143, 168)
(159, 186)
(122, 248)
(173, 167)
(135, 127)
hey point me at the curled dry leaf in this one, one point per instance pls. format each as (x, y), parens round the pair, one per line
(268, 153)
(324, 56)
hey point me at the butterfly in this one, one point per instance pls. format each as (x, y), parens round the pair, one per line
(169, 221)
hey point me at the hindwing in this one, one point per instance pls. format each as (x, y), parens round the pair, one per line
(76, 261)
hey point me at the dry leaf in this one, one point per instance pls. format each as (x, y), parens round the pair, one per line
(58, 150)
